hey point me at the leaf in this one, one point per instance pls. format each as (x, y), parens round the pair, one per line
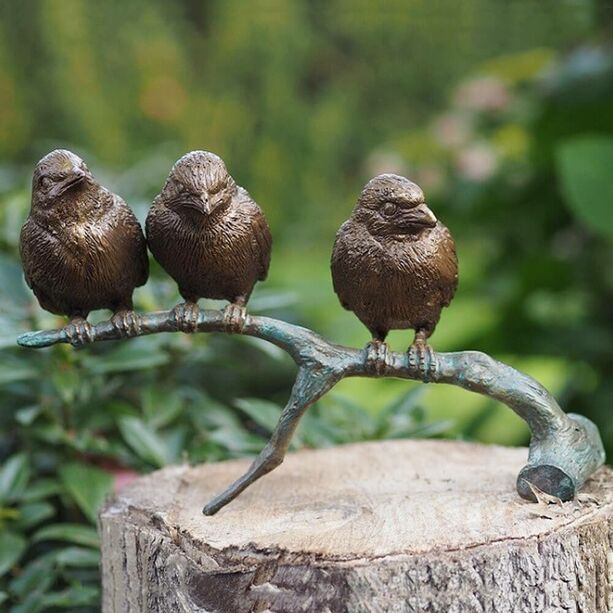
(27, 415)
(270, 300)
(9, 325)
(69, 533)
(519, 66)
(12, 547)
(43, 488)
(78, 557)
(263, 412)
(175, 441)
(50, 433)
(36, 577)
(350, 418)
(236, 441)
(14, 476)
(32, 603)
(80, 575)
(435, 428)
(161, 406)
(66, 382)
(88, 486)
(405, 403)
(34, 513)
(143, 440)
(71, 597)
(271, 351)
(315, 431)
(129, 356)
(585, 167)
(15, 369)
(14, 296)
(208, 414)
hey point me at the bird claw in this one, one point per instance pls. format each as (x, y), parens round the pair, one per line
(127, 323)
(79, 332)
(376, 357)
(186, 317)
(422, 360)
(234, 317)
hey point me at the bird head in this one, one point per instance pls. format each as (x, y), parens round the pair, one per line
(391, 205)
(199, 183)
(59, 173)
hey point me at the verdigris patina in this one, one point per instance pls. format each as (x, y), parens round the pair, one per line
(564, 451)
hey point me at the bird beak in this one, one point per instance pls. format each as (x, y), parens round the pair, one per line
(204, 204)
(420, 215)
(76, 177)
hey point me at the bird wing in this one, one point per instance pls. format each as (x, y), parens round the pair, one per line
(29, 234)
(135, 235)
(43, 258)
(447, 266)
(352, 258)
(163, 230)
(261, 232)
(37, 245)
(336, 267)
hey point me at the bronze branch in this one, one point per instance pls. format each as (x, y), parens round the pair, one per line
(565, 449)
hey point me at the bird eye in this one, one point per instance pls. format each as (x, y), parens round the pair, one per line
(45, 182)
(389, 209)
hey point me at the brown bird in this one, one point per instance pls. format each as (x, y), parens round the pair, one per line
(82, 248)
(394, 265)
(210, 237)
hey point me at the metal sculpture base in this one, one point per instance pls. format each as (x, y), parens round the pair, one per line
(565, 449)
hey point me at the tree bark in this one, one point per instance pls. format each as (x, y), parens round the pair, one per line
(418, 526)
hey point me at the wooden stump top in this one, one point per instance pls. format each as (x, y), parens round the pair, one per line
(369, 500)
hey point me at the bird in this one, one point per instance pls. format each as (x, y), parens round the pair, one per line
(210, 236)
(394, 265)
(81, 247)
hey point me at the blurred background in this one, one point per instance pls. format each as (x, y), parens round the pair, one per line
(501, 111)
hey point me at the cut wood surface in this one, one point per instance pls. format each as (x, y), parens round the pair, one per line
(387, 526)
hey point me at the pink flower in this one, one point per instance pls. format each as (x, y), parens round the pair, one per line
(482, 94)
(430, 178)
(122, 477)
(477, 162)
(452, 130)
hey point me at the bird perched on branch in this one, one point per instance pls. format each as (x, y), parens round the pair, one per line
(394, 265)
(82, 248)
(210, 237)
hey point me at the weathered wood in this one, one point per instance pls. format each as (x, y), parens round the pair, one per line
(433, 526)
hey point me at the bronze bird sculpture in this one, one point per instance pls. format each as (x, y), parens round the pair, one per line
(81, 247)
(394, 265)
(210, 237)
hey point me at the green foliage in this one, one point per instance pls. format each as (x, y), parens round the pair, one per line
(585, 166)
(12, 547)
(27, 504)
(340, 420)
(87, 485)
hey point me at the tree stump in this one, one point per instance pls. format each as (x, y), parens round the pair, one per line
(433, 526)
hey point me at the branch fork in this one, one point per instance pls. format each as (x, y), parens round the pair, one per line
(565, 449)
